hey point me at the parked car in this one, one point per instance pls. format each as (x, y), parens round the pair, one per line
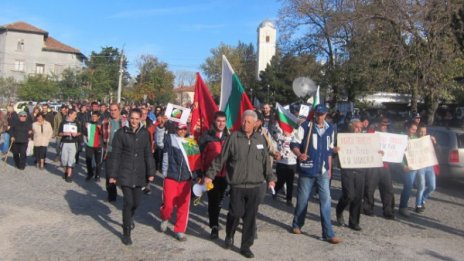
(450, 150)
(22, 105)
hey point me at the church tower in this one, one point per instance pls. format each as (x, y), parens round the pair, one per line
(266, 45)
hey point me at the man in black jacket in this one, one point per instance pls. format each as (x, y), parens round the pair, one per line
(129, 163)
(246, 159)
(20, 132)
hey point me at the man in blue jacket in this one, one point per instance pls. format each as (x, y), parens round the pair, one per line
(313, 145)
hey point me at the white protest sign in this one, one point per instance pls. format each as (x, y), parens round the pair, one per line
(177, 113)
(304, 110)
(421, 153)
(393, 146)
(359, 150)
(71, 128)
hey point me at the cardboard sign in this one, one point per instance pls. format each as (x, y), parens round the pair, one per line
(393, 146)
(304, 110)
(359, 150)
(421, 153)
(71, 128)
(177, 113)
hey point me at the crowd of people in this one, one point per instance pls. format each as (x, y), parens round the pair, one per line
(134, 143)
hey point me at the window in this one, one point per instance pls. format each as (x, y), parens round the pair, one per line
(58, 69)
(268, 39)
(20, 45)
(40, 68)
(19, 65)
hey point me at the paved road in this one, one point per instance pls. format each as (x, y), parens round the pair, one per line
(44, 218)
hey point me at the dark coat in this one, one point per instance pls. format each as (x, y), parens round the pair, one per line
(20, 131)
(130, 160)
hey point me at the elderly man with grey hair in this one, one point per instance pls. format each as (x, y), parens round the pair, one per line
(352, 187)
(246, 159)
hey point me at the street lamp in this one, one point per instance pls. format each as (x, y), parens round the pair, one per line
(268, 98)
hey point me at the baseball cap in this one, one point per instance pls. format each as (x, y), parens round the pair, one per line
(182, 126)
(416, 115)
(22, 113)
(321, 109)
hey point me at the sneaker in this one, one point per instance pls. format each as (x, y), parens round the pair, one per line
(419, 209)
(289, 203)
(389, 216)
(334, 240)
(164, 226)
(68, 179)
(404, 212)
(296, 231)
(368, 213)
(181, 237)
(214, 233)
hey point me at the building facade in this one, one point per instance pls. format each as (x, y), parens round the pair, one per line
(28, 50)
(266, 45)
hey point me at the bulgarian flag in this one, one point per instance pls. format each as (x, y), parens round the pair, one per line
(234, 100)
(316, 100)
(191, 152)
(287, 121)
(93, 135)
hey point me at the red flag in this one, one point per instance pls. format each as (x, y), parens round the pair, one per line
(203, 109)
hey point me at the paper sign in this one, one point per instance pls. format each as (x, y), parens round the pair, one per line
(393, 146)
(177, 113)
(70, 128)
(359, 150)
(421, 153)
(304, 110)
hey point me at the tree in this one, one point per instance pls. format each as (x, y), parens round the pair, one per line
(103, 72)
(73, 85)
(38, 88)
(8, 88)
(154, 80)
(242, 59)
(458, 27)
(279, 76)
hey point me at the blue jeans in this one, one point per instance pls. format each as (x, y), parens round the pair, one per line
(426, 181)
(305, 185)
(408, 182)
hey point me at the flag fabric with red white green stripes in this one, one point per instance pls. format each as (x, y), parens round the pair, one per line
(93, 135)
(287, 121)
(234, 100)
(191, 152)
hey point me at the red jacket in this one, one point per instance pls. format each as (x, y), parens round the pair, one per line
(210, 148)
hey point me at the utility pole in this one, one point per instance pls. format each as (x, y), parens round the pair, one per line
(121, 71)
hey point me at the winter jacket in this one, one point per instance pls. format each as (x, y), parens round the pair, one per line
(246, 160)
(56, 123)
(174, 164)
(20, 131)
(210, 148)
(159, 136)
(42, 133)
(319, 149)
(130, 160)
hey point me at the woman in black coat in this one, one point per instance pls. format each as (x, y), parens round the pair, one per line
(129, 164)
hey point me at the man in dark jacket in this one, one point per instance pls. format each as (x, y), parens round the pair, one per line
(246, 159)
(20, 132)
(210, 147)
(130, 161)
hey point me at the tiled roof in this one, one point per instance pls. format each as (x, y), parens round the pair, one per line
(51, 44)
(184, 89)
(23, 27)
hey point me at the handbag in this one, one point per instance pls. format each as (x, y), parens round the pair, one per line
(30, 148)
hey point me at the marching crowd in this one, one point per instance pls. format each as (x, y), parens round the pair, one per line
(133, 143)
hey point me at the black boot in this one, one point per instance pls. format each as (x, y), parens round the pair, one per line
(126, 238)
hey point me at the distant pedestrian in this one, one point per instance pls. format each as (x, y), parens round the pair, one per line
(69, 130)
(426, 180)
(20, 131)
(93, 149)
(42, 133)
(129, 163)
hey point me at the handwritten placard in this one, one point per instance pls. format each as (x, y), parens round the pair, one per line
(421, 153)
(359, 150)
(393, 146)
(177, 113)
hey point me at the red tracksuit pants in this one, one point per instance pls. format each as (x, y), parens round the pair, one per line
(176, 194)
